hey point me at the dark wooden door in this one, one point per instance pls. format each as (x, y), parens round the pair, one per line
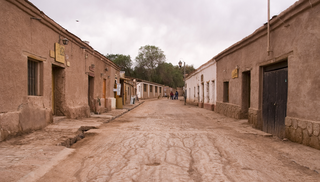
(275, 91)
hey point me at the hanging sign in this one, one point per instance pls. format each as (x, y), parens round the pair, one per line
(59, 53)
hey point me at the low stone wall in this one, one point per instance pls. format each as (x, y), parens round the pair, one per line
(192, 103)
(208, 106)
(78, 112)
(25, 120)
(305, 132)
(229, 110)
(254, 118)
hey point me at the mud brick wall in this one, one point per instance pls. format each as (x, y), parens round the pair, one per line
(254, 118)
(303, 131)
(192, 103)
(229, 110)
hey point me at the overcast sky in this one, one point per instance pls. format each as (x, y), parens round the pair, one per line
(193, 31)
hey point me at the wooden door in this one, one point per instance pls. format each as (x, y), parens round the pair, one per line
(275, 91)
(104, 92)
(53, 93)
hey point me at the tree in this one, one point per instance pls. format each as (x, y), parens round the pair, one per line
(123, 61)
(148, 59)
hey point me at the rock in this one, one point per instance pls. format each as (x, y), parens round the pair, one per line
(294, 124)
(288, 122)
(309, 128)
(302, 124)
(306, 137)
(316, 129)
(314, 142)
(299, 135)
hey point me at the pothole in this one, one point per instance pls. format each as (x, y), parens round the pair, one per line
(79, 136)
(153, 164)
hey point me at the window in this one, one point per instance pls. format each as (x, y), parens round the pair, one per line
(160, 90)
(156, 89)
(213, 91)
(225, 91)
(150, 88)
(208, 92)
(144, 87)
(34, 74)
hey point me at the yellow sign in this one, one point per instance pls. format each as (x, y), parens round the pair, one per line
(234, 73)
(60, 53)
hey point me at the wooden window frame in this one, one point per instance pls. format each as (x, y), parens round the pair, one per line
(34, 77)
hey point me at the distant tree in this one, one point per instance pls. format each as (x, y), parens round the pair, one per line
(189, 69)
(169, 75)
(148, 59)
(123, 61)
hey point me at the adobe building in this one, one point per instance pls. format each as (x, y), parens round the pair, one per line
(128, 88)
(46, 71)
(201, 86)
(277, 87)
(148, 90)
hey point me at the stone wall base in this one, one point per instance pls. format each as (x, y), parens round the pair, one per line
(78, 112)
(254, 118)
(229, 110)
(192, 103)
(25, 120)
(209, 106)
(305, 132)
(200, 104)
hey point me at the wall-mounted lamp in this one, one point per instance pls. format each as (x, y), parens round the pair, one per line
(65, 41)
(106, 69)
(35, 18)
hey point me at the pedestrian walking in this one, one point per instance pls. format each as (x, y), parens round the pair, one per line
(171, 95)
(176, 95)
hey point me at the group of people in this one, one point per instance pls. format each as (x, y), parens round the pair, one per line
(174, 96)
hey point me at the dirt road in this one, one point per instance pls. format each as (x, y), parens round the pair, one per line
(163, 140)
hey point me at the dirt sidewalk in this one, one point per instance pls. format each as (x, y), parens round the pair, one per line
(29, 156)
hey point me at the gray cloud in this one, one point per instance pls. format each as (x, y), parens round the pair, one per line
(193, 31)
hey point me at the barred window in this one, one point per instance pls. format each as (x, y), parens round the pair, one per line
(156, 89)
(144, 87)
(33, 77)
(150, 88)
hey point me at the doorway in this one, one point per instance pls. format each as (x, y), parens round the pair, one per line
(198, 95)
(246, 92)
(58, 93)
(90, 93)
(275, 93)
(104, 88)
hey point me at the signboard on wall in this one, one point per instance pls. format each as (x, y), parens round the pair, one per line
(118, 89)
(59, 53)
(234, 73)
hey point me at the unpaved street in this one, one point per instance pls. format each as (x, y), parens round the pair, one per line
(163, 140)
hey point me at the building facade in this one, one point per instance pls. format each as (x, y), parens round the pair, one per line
(148, 90)
(47, 71)
(276, 87)
(201, 86)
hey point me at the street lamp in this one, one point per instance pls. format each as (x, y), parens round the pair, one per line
(184, 80)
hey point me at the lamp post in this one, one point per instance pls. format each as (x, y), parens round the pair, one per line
(184, 73)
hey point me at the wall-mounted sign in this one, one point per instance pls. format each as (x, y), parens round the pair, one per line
(234, 73)
(91, 68)
(90, 74)
(59, 53)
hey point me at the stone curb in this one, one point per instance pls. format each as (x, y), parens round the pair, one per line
(115, 117)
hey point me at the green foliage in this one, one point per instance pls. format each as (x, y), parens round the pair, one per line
(148, 59)
(123, 61)
(151, 66)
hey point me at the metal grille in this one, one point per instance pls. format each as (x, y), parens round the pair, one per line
(32, 77)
